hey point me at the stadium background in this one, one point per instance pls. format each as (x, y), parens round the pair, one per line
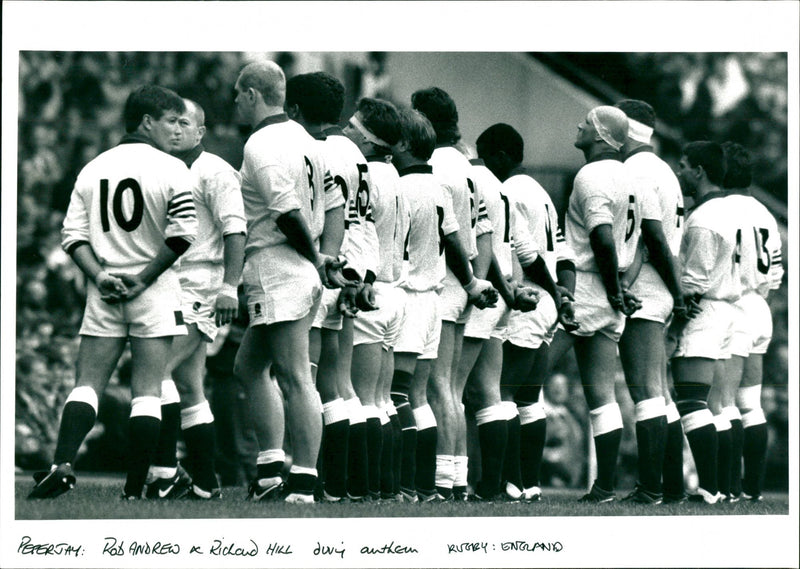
(70, 107)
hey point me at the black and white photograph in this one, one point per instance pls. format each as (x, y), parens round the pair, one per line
(399, 284)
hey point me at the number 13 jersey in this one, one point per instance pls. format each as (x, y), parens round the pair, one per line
(127, 201)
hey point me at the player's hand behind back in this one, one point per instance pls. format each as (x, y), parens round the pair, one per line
(112, 289)
(134, 285)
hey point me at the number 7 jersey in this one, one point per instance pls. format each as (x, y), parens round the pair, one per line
(127, 201)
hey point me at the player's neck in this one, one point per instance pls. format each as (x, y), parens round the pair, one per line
(265, 112)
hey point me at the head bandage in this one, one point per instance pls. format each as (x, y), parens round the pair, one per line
(639, 132)
(611, 125)
(367, 134)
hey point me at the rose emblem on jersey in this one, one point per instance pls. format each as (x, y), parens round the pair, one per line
(196, 307)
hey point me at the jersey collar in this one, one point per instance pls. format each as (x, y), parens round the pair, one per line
(189, 156)
(477, 162)
(605, 155)
(645, 148)
(274, 119)
(136, 138)
(738, 192)
(708, 197)
(334, 130)
(386, 159)
(416, 169)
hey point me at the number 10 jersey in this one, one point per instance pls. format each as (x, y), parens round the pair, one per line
(127, 201)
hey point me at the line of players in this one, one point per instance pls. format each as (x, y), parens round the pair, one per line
(415, 275)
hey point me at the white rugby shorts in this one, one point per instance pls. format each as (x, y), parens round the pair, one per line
(328, 315)
(279, 286)
(483, 324)
(422, 328)
(532, 329)
(453, 306)
(656, 300)
(155, 313)
(592, 309)
(752, 329)
(384, 324)
(200, 284)
(709, 334)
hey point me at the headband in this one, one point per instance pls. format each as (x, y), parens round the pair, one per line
(367, 134)
(638, 131)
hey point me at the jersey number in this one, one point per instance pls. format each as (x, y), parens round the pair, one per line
(128, 224)
(310, 172)
(631, 218)
(507, 209)
(679, 215)
(473, 215)
(764, 261)
(362, 197)
(440, 215)
(548, 229)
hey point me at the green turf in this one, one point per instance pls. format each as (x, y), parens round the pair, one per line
(99, 498)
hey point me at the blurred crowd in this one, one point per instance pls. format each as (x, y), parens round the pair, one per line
(70, 109)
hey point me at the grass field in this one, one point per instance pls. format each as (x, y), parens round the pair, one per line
(97, 497)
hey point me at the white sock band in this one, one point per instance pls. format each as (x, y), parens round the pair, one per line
(605, 419)
(696, 420)
(748, 398)
(384, 417)
(650, 409)
(753, 418)
(389, 408)
(531, 413)
(672, 413)
(84, 394)
(732, 413)
(355, 411)
(199, 414)
(163, 471)
(510, 409)
(445, 470)
(169, 392)
(460, 463)
(146, 407)
(335, 411)
(722, 423)
(302, 470)
(270, 456)
(424, 418)
(372, 412)
(489, 414)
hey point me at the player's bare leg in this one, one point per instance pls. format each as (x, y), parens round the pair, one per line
(357, 438)
(440, 396)
(754, 422)
(532, 422)
(596, 357)
(149, 358)
(366, 371)
(734, 369)
(721, 402)
(464, 359)
(672, 474)
(424, 479)
(405, 429)
(641, 349)
(693, 379)
(251, 367)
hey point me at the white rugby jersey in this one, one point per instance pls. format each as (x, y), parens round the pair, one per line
(452, 169)
(603, 193)
(391, 218)
(499, 212)
(430, 218)
(283, 170)
(709, 251)
(349, 170)
(127, 201)
(758, 245)
(660, 194)
(218, 200)
(536, 230)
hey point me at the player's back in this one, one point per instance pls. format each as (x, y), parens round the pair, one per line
(127, 201)
(758, 245)
(499, 213)
(452, 169)
(218, 200)
(391, 223)
(424, 262)
(283, 170)
(668, 195)
(603, 193)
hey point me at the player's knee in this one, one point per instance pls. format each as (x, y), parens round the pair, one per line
(748, 398)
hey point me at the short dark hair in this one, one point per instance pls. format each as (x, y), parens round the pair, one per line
(440, 109)
(710, 156)
(738, 166)
(639, 111)
(150, 100)
(319, 95)
(381, 119)
(501, 137)
(418, 133)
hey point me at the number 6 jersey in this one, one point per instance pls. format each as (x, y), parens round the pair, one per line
(127, 201)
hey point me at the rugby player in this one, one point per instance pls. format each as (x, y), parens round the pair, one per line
(130, 216)
(710, 274)
(659, 437)
(209, 274)
(375, 129)
(315, 100)
(540, 254)
(602, 228)
(283, 194)
(758, 254)
(452, 169)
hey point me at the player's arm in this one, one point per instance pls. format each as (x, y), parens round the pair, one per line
(330, 242)
(112, 289)
(661, 258)
(227, 304)
(482, 263)
(479, 291)
(601, 240)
